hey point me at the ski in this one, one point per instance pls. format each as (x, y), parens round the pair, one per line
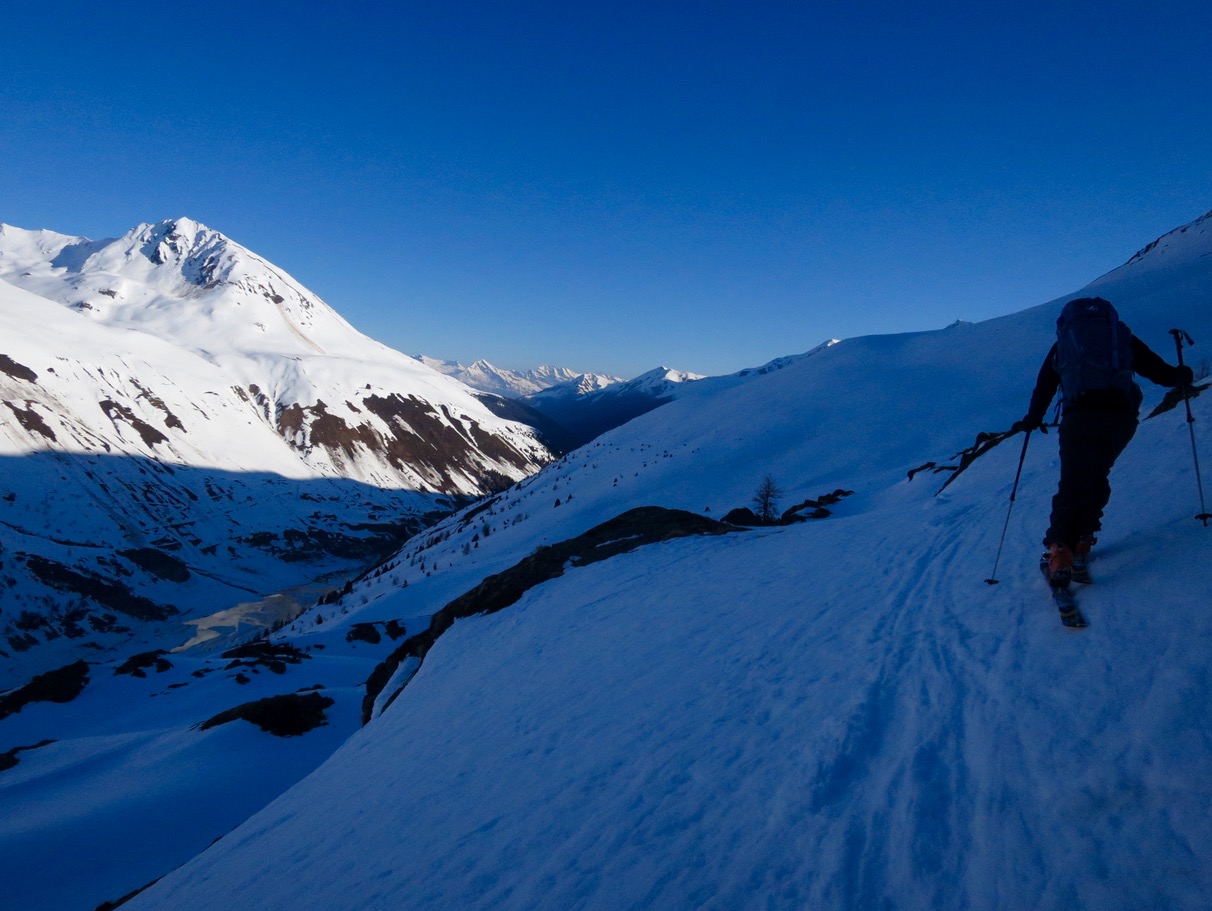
(1070, 614)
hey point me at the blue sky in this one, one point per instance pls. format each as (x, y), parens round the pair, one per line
(615, 186)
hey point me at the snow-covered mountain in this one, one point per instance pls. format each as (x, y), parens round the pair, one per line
(250, 337)
(513, 384)
(587, 692)
(184, 427)
(588, 407)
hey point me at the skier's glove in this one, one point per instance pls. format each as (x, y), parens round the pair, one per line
(1028, 424)
(1186, 376)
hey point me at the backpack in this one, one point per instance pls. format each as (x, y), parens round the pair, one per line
(1094, 353)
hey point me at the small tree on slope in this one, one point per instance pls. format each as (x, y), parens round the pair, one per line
(766, 499)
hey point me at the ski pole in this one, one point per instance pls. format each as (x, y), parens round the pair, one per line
(993, 580)
(1181, 335)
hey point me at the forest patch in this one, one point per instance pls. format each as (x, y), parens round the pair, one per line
(158, 563)
(105, 592)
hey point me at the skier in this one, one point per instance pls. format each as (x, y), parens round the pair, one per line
(1092, 362)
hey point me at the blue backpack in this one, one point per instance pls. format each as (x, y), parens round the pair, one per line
(1094, 353)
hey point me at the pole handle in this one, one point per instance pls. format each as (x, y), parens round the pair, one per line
(1180, 336)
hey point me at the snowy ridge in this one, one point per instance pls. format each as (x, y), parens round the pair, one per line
(1179, 247)
(831, 714)
(495, 380)
(661, 380)
(780, 362)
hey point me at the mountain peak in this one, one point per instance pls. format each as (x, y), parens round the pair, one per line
(184, 282)
(662, 375)
(202, 256)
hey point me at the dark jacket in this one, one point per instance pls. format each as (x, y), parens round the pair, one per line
(1144, 362)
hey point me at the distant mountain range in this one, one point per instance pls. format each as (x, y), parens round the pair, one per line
(571, 408)
(514, 384)
(587, 407)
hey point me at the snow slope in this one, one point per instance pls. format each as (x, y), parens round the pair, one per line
(834, 714)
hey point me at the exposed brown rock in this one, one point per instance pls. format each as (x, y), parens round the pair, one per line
(15, 370)
(31, 421)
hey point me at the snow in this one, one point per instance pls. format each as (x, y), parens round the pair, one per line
(835, 714)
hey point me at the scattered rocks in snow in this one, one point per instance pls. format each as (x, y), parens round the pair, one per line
(272, 655)
(816, 508)
(290, 715)
(117, 412)
(138, 665)
(61, 685)
(369, 632)
(363, 632)
(31, 421)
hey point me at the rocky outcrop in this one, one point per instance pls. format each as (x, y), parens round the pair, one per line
(290, 715)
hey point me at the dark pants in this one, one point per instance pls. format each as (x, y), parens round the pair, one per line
(1090, 442)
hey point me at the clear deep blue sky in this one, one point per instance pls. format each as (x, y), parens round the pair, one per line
(613, 186)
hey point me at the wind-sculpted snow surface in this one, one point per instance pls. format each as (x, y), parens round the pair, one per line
(830, 715)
